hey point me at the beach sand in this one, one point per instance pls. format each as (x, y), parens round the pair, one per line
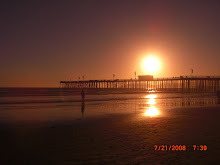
(114, 138)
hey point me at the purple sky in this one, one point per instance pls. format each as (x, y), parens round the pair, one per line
(43, 42)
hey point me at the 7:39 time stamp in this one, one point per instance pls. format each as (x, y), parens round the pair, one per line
(180, 147)
(200, 147)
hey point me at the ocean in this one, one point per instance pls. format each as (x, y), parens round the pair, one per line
(59, 104)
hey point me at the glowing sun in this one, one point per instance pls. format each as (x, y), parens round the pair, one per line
(151, 64)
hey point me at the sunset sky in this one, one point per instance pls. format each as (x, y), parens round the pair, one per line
(43, 42)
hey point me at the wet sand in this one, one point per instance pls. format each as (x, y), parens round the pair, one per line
(118, 138)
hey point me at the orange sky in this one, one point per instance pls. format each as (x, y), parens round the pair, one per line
(44, 42)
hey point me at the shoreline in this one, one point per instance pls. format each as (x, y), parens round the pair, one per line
(19, 92)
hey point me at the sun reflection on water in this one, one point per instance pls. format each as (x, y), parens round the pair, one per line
(151, 111)
(152, 96)
(151, 101)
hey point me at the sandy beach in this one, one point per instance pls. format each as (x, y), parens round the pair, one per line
(118, 133)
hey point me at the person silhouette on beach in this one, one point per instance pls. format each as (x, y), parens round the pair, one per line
(83, 105)
(82, 108)
(83, 94)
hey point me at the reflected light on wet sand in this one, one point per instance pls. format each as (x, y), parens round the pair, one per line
(151, 111)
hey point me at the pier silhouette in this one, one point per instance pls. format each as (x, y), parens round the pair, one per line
(182, 84)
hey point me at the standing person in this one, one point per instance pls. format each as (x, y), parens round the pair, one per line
(82, 108)
(83, 94)
(83, 105)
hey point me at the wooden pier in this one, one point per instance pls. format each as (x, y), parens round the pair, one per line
(182, 83)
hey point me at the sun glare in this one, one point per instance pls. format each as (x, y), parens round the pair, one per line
(151, 64)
